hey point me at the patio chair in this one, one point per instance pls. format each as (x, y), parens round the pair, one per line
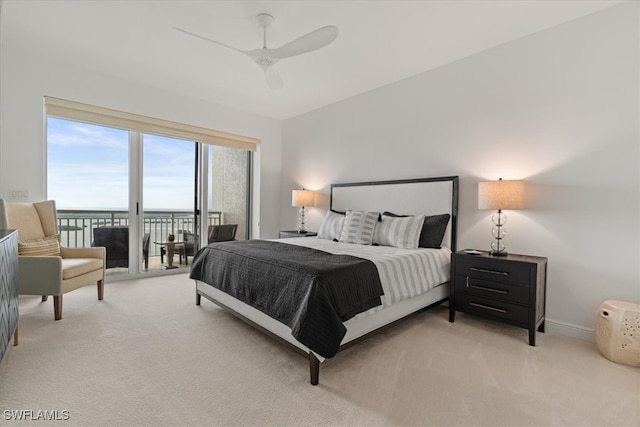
(115, 239)
(188, 248)
(146, 240)
(222, 233)
(44, 267)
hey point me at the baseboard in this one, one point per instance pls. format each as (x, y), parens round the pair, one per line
(568, 330)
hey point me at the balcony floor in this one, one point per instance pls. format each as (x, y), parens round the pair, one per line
(154, 265)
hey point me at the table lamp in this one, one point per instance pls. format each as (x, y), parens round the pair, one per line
(302, 198)
(501, 194)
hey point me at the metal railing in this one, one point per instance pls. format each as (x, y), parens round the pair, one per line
(76, 226)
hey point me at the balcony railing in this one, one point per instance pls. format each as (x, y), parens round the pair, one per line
(76, 226)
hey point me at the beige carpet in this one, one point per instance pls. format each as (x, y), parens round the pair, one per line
(148, 356)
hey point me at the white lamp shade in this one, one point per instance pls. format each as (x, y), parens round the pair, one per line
(501, 195)
(301, 198)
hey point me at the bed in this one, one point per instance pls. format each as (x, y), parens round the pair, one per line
(322, 295)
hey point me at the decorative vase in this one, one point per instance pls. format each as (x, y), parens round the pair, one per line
(171, 237)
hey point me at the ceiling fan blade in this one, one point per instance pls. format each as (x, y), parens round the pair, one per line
(274, 81)
(209, 40)
(307, 43)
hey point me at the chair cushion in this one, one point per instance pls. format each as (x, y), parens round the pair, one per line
(48, 246)
(72, 267)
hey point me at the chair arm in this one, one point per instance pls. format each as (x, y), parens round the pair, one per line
(95, 252)
(40, 275)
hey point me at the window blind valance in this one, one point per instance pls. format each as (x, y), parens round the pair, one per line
(72, 110)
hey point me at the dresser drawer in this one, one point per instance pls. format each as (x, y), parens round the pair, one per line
(493, 308)
(493, 269)
(492, 289)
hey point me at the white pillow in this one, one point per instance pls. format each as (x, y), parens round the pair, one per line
(331, 227)
(358, 227)
(399, 232)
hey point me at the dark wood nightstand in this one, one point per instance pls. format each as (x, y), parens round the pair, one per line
(296, 233)
(510, 289)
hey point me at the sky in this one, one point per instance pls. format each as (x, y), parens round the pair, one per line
(88, 168)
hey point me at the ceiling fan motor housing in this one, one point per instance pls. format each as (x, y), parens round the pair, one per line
(265, 20)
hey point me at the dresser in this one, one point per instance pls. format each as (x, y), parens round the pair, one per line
(509, 289)
(8, 287)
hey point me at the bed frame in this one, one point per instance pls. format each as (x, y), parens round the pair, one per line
(430, 196)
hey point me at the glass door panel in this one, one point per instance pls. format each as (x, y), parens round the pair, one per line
(228, 191)
(88, 177)
(168, 188)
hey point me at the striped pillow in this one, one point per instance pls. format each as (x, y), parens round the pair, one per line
(433, 230)
(331, 227)
(358, 227)
(399, 232)
(48, 246)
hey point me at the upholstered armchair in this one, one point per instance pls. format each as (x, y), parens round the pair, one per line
(44, 267)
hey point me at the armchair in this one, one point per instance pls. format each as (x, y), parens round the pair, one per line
(222, 233)
(44, 267)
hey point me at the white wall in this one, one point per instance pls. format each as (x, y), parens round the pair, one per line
(558, 109)
(28, 75)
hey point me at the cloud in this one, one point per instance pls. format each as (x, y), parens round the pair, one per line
(64, 133)
(88, 168)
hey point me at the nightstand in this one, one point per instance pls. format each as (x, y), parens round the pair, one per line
(296, 233)
(509, 289)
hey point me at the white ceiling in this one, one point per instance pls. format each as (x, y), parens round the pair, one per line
(379, 42)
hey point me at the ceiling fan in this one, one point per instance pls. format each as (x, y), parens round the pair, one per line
(266, 57)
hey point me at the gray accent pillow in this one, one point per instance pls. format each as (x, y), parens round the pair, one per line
(331, 227)
(358, 227)
(399, 232)
(432, 231)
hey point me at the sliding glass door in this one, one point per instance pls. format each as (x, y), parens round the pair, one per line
(170, 183)
(140, 195)
(88, 177)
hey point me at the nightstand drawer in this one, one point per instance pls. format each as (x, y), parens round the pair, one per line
(493, 269)
(492, 289)
(493, 308)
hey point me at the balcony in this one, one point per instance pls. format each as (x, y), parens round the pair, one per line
(76, 227)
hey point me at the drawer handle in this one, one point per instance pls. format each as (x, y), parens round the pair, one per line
(485, 288)
(499, 310)
(484, 270)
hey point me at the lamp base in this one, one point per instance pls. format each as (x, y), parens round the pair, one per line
(495, 253)
(301, 225)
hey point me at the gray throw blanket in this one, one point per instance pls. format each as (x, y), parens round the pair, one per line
(310, 291)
